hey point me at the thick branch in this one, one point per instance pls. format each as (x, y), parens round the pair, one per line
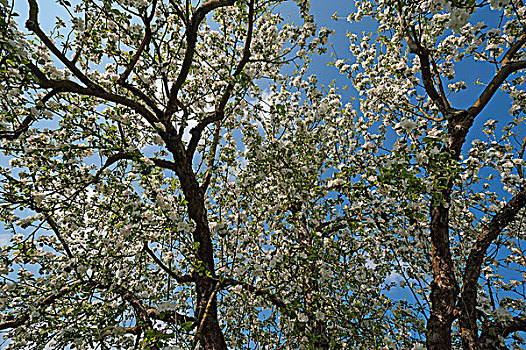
(198, 130)
(169, 316)
(491, 334)
(93, 90)
(513, 49)
(488, 235)
(204, 315)
(207, 7)
(462, 120)
(425, 65)
(179, 12)
(244, 60)
(56, 230)
(14, 134)
(517, 324)
(145, 42)
(211, 157)
(494, 85)
(138, 93)
(265, 293)
(26, 123)
(162, 163)
(140, 50)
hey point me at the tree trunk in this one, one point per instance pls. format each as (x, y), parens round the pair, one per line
(444, 288)
(208, 331)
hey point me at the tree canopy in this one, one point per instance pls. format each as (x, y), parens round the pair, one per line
(174, 176)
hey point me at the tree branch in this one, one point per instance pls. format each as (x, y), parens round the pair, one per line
(265, 293)
(179, 11)
(197, 131)
(244, 59)
(162, 163)
(142, 316)
(47, 301)
(145, 42)
(491, 333)
(138, 93)
(47, 217)
(220, 108)
(468, 297)
(179, 279)
(489, 234)
(32, 24)
(513, 49)
(169, 316)
(14, 134)
(56, 230)
(415, 47)
(462, 120)
(211, 157)
(205, 313)
(93, 90)
(26, 123)
(440, 85)
(494, 85)
(191, 39)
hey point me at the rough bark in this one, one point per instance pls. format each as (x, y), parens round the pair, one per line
(444, 288)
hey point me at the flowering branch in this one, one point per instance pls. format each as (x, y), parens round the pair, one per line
(32, 24)
(179, 279)
(220, 108)
(47, 301)
(92, 90)
(191, 41)
(494, 330)
(468, 298)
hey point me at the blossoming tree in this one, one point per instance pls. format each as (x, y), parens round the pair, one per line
(166, 184)
(446, 183)
(156, 198)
